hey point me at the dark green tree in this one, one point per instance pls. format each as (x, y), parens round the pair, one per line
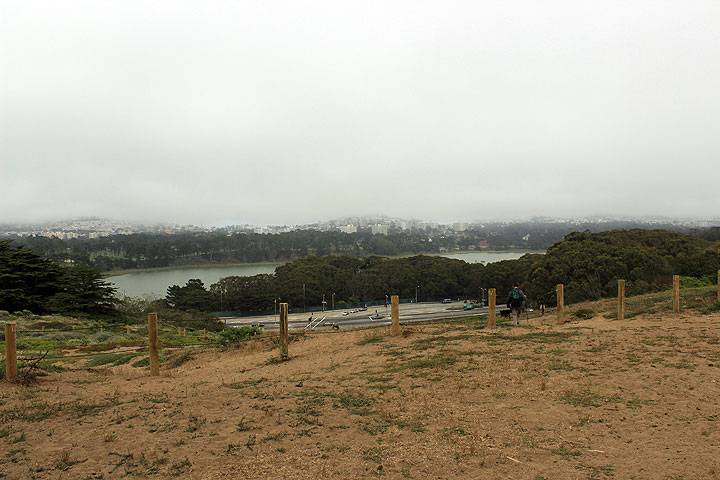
(29, 282)
(193, 296)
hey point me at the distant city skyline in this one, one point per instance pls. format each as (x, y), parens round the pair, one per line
(99, 226)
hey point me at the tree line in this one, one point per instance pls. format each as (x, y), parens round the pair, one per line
(589, 264)
(152, 250)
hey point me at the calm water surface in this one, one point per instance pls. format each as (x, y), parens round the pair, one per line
(155, 283)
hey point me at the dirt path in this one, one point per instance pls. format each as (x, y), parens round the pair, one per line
(587, 400)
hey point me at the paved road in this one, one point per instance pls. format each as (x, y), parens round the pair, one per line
(409, 313)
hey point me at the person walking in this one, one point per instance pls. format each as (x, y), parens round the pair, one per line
(515, 302)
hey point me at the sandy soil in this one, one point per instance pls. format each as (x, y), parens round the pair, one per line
(595, 399)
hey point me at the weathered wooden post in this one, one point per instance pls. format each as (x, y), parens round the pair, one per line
(621, 300)
(676, 294)
(153, 344)
(560, 293)
(492, 293)
(10, 351)
(395, 315)
(284, 340)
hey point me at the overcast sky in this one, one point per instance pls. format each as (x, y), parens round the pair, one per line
(293, 111)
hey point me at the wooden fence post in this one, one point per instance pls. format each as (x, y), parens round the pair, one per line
(284, 340)
(395, 315)
(560, 293)
(492, 293)
(10, 351)
(676, 294)
(621, 300)
(153, 344)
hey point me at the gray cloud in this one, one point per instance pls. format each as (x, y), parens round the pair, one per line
(293, 111)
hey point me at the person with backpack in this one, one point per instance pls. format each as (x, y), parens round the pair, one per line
(515, 302)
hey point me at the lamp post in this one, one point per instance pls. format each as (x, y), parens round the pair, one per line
(333, 301)
(323, 303)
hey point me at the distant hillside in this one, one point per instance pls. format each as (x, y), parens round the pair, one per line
(149, 250)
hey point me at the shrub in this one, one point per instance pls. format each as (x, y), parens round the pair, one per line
(182, 357)
(712, 308)
(235, 335)
(584, 313)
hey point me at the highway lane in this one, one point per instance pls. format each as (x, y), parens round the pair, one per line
(409, 313)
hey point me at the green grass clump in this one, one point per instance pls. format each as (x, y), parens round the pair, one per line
(36, 412)
(588, 398)
(114, 359)
(87, 409)
(535, 337)
(374, 454)
(566, 452)
(370, 339)
(355, 403)
(438, 340)
(440, 360)
(247, 383)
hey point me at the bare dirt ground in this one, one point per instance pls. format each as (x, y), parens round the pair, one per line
(594, 399)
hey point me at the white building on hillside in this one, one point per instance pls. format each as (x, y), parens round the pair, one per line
(379, 229)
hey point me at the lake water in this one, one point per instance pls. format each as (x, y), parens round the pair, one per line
(154, 283)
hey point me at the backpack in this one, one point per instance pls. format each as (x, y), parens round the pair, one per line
(516, 294)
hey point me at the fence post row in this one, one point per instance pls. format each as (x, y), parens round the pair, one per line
(10, 351)
(284, 340)
(492, 294)
(153, 345)
(621, 300)
(676, 294)
(395, 315)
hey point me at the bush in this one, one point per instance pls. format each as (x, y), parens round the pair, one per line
(233, 336)
(693, 282)
(584, 313)
(180, 358)
(712, 308)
